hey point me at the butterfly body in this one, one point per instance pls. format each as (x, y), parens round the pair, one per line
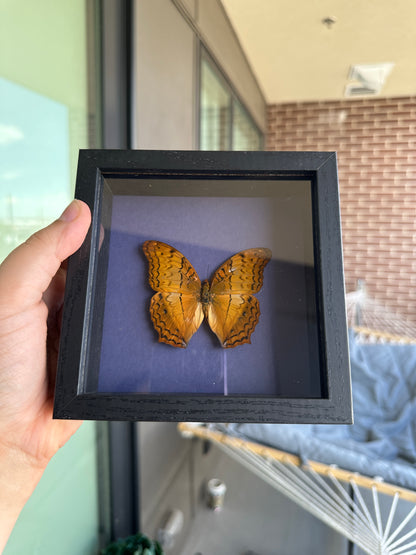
(181, 301)
(206, 297)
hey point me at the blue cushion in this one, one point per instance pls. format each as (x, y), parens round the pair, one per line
(382, 440)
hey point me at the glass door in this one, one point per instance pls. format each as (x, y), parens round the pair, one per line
(47, 112)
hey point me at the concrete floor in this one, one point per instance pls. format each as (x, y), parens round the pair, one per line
(257, 520)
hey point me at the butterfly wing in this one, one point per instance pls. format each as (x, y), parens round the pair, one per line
(241, 273)
(234, 312)
(169, 270)
(175, 309)
(176, 317)
(233, 318)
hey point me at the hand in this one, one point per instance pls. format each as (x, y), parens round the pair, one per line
(32, 282)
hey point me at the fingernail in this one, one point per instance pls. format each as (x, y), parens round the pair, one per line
(70, 212)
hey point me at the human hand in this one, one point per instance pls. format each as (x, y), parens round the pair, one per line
(32, 283)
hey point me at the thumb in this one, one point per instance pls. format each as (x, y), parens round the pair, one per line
(28, 270)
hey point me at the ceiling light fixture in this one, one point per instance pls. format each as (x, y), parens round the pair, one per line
(329, 21)
(367, 79)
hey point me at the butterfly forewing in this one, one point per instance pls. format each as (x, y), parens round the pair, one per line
(169, 270)
(241, 273)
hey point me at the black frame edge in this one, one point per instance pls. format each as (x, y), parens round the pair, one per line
(321, 166)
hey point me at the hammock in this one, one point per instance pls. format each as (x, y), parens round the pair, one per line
(364, 489)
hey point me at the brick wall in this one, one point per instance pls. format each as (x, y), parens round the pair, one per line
(375, 140)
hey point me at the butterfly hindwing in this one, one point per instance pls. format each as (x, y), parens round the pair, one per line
(233, 318)
(176, 317)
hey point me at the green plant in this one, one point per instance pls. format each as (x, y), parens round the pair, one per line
(138, 544)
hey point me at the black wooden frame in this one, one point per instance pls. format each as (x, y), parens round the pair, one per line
(320, 168)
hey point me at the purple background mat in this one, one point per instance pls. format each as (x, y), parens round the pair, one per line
(283, 357)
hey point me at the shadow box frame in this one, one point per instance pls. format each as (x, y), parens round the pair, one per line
(102, 176)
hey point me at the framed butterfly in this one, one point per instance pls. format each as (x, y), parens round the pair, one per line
(181, 301)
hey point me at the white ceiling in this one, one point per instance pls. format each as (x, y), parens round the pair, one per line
(297, 57)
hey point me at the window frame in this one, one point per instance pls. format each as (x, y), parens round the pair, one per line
(118, 455)
(234, 99)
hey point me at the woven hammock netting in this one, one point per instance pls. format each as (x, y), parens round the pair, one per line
(380, 518)
(375, 322)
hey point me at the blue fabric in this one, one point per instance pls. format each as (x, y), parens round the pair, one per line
(382, 441)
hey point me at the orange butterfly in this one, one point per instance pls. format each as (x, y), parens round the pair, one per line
(182, 302)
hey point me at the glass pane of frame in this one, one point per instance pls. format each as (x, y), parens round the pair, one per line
(142, 343)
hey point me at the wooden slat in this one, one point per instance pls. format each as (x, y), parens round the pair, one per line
(268, 452)
(388, 337)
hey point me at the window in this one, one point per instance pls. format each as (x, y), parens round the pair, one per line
(245, 136)
(224, 122)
